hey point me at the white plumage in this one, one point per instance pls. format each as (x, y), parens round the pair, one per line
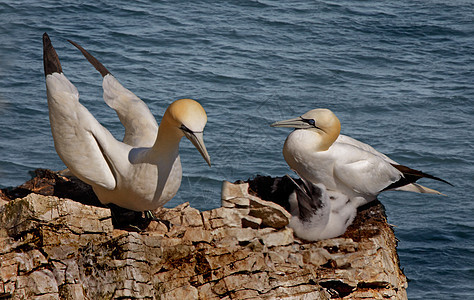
(350, 171)
(141, 173)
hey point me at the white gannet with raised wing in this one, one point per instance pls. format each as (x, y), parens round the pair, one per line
(320, 154)
(136, 178)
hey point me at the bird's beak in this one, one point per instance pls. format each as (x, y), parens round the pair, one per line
(297, 123)
(197, 139)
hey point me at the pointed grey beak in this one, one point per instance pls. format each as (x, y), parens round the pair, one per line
(198, 141)
(297, 123)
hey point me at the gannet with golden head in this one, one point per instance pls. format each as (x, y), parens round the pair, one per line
(320, 154)
(134, 177)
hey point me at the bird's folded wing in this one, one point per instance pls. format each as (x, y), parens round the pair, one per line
(344, 139)
(364, 171)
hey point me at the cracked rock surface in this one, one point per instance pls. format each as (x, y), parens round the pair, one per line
(56, 248)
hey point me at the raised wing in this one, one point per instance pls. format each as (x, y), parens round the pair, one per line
(140, 125)
(73, 126)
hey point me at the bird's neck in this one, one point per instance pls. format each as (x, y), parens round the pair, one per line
(326, 139)
(165, 154)
(311, 140)
(329, 134)
(167, 140)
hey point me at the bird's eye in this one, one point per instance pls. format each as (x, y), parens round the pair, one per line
(310, 121)
(185, 129)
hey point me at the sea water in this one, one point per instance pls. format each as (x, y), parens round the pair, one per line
(398, 74)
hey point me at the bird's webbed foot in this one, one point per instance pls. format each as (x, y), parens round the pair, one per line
(149, 216)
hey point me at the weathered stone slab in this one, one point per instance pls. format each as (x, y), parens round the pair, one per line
(55, 248)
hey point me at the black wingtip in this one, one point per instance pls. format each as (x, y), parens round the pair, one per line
(50, 57)
(410, 176)
(408, 171)
(97, 65)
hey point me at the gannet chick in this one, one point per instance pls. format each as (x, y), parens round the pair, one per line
(319, 214)
(136, 178)
(320, 154)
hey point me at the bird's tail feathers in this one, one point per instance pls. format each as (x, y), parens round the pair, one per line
(418, 188)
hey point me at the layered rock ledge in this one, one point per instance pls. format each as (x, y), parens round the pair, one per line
(56, 248)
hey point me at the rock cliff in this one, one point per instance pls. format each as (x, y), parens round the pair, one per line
(52, 247)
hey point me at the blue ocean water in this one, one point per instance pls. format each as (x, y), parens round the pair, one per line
(399, 75)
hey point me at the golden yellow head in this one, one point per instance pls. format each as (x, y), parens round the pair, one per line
(189, 117)
(186, 112)
(321, 121)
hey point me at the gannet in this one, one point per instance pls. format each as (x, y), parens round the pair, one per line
(320, 154)
(318, 214)
(134, 177)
